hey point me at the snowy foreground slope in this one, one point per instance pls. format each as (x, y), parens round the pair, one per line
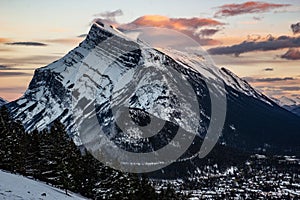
(19, 187)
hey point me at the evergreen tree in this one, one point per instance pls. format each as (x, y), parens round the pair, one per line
(10, 151)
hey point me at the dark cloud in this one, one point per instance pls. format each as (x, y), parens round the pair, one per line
(292, 54)
(27, 43)
(296, 28)
(110, 15)
(295, 95)
(268, 69)
(275, 79)
(7, 74)
(7, 67)
(12, 89)
(3, 67)
(290, 88)
(38, 59)
(245, 8)
(268, 44)
(208, 32)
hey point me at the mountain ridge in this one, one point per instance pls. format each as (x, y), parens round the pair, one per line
(290, 104)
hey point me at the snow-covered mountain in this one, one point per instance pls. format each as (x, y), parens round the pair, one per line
(14, 186)
(111, 62)
(2, 102)
(291, 104)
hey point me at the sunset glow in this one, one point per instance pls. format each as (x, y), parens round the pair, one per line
(31, 36)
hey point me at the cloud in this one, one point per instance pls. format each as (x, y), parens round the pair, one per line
(292, 54)
(12, 89)
(7, 74)
(69, 41)
(268, 69)
(268, 44)
(3, 40)
(275, 79)
(172, 23)
(290, 88)
(245, 8)
(296, 28)
(7, 67)
(110, 15)
(188, 26)
(38, 59)
(27, 43)
(3, 67)
(208, 41)
(208, 32)
(5, 49)
(258, 18)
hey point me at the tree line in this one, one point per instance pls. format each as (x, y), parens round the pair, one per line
(51, 156)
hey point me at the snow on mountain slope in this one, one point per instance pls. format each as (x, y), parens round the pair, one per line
(288, 101)
(205, 68)
(13, 187)
(290, 104)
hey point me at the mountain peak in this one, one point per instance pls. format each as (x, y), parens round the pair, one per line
(100, 31)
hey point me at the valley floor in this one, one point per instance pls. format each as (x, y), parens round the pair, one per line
(260, 177)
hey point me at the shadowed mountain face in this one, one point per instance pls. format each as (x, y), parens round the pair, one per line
(253, 121)
(2, 102)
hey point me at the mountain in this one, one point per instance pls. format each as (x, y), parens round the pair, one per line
(290, 104)
(108, 69)
(14, 186)
(2, 102)
(295, 110)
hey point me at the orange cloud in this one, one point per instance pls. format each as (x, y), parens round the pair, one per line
(173, 23)
(247, 7)
(188, 26)
(4, 40)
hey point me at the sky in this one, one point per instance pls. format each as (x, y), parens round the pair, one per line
(257, 40)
